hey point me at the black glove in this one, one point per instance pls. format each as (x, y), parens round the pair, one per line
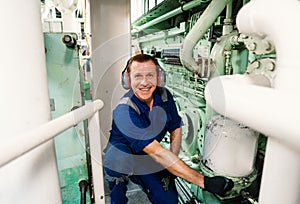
(218, 184)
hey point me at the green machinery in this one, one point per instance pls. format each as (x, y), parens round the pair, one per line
(161, 31)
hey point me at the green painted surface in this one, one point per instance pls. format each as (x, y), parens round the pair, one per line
(66, 89)
(71, 177)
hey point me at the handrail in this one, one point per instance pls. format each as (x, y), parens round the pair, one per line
(13, 148)
(170, 14)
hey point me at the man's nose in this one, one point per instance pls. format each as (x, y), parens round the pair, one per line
(144, 80)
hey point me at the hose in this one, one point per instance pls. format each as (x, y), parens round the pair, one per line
(83, 187)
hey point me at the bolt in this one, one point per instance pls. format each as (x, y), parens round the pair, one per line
(267, 45)
(256, 64)
(252, 46)
(270, 66)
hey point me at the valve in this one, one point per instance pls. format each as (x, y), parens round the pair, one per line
(69, 41)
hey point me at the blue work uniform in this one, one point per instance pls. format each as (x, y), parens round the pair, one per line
(134, 126)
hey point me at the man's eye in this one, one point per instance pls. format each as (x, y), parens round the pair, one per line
(150, 76)
(138, 76)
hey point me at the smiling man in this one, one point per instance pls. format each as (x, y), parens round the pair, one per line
(140, 121)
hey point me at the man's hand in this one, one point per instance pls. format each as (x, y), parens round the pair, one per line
(218, 184)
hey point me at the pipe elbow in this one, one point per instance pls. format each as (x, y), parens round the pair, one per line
(188, 61)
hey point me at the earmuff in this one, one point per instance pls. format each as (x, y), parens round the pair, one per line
(161, 76)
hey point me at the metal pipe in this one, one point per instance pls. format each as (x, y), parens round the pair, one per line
(199, 29)
(162, 35)
(13, 148)
(259, 107)
(168, 15)
(228, 27)
(96, 159)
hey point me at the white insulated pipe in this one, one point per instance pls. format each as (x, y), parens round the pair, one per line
(261, 108)
(271, 111)
(25, 105)
(206, 19)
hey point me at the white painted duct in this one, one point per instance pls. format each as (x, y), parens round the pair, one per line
(207, 18)
(272, 111)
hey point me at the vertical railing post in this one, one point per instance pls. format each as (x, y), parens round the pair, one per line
(96, 158)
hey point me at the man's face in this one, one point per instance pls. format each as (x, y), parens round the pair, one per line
(143, 80)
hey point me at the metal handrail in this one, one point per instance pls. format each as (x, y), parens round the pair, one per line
(13, 148)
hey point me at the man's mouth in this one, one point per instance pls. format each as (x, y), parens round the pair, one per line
(145, 89)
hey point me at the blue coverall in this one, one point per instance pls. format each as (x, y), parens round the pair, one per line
(134, 126)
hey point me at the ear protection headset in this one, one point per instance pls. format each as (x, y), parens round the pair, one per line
(161, 75)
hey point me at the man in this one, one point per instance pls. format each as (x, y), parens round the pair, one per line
(140, 121)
